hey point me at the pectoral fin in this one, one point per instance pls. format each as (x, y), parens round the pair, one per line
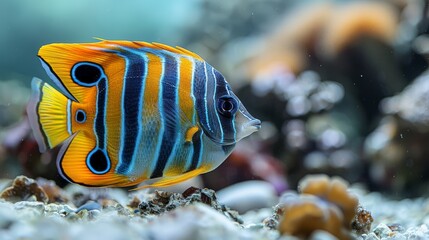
(190, 133)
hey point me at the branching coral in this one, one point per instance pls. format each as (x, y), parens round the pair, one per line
(323, 204)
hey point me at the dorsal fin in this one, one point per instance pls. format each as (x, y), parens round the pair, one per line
(153, 45)
(59, 58)
(178, 50)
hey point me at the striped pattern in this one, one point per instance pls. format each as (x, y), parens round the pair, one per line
(157, 108)
(134, 80)
(146, 111)
(212, 85)
(163, 95)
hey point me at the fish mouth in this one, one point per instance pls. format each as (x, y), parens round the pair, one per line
(250, 127)
(255, 123)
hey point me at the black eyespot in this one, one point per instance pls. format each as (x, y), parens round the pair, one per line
(227, 106)
(97, 162)
(80, 116)
(86, 74)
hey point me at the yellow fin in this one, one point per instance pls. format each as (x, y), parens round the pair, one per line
(48, 115)
(168, 181)
(190, 133)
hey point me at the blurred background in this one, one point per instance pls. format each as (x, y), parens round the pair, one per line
(340, 86)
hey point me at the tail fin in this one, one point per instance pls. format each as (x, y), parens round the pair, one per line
(48, 113)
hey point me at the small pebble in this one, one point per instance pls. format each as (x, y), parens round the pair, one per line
(383, 231)
(91, 205)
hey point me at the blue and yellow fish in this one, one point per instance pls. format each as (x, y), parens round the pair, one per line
(132, 111)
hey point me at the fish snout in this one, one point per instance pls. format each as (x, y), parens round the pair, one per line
(253, 125)
(248, 124)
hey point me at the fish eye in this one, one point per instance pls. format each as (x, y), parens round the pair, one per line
(227, 106)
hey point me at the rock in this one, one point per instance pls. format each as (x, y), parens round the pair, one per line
(383, 231)
(201, 222)
(53, 192)
(371, 236)
(249, 195)
(166, 201)
(322, 235)
(7, 217)
(419, 232)
(90, 205)
(22, 189)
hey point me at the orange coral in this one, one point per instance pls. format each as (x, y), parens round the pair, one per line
(289, 59)
(285, 46)
(324, 204)
(301, 26)
(354, 20)
(324, 28)
(334, 190)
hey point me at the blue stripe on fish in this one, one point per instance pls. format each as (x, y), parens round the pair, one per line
(160, 132)
(197, 152)
(183, 156)
(134, 80)
(213, 94)
(169, 91)
(199, 89)
(226, 123)
(206, 91)
(100, 121)
(98, 160)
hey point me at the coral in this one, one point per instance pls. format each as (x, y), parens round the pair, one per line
(411, 104)
(285, 48)
(305, 214)
(301, 25)
(167, 201)
(333, 190)
(362, 221)
(24, 189)
(302, 127)
(323, 204)
(397, 148)
(355, 20)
